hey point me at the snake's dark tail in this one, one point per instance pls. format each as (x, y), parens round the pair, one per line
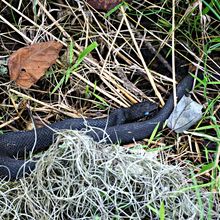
(11, 169)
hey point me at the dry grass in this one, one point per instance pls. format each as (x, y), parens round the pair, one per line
(142, 49)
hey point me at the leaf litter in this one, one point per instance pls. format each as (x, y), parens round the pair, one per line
(186, 114)
(28, 64)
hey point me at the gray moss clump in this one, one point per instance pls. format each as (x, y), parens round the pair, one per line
(78, 178)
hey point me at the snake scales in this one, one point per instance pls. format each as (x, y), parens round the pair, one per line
(120, 126)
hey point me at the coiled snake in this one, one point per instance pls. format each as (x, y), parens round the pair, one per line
(120, 126)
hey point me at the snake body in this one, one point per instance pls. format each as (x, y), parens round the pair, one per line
(120, 127)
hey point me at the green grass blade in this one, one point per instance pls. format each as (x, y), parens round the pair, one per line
(153, 134)
(211, 8)
(81, 57)
(84, 53)
(113, 10)
(162, 211)
(58, 85)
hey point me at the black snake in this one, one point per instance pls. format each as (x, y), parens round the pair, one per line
(120, 126)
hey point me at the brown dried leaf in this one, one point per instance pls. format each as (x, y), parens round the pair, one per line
(28, 64)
